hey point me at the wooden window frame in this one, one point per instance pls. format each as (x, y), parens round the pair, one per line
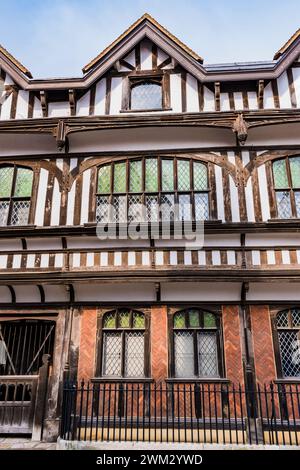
(219, 341)
(160, 192)
(132, 80)
(276, 345)
(289, 189)
(11, 199)
(100, 343)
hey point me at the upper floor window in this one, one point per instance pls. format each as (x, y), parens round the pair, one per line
(286, 173)
(153, 189)
(288, 331)
(146, 94)
(196, 339)
(15, 195)
(123, 344)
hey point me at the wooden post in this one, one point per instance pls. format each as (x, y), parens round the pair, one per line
(40, 403)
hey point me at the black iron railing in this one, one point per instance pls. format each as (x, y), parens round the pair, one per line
(181, 412)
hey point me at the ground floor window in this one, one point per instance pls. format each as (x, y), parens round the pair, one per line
(288, 334)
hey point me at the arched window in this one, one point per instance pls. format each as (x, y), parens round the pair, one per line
(146, 94)
(15, 195)
(286, 175)
(124, 339)
(288, 332)
(153, 189)
(196, 338)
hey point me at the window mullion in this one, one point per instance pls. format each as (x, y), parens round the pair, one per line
(123, 356)
(196, 352)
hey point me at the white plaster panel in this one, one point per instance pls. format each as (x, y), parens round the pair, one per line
(114, 292)
(197, 291)
(116, 95)
(175, 92)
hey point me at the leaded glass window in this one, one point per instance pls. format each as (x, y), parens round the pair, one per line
(286, 175)
(196, 344)
(15, 195)
(288, 331)
(123, 344)
(146, 95)
(153, 189)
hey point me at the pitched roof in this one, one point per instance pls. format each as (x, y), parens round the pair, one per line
(18, 64)
(284, 48)
(146, 17)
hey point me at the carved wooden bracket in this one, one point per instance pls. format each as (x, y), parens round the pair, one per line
(72, 102)
(44, 104)
(60, 133)
(240, 128)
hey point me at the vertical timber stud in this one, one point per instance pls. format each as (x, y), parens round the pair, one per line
(217, 96)
(44, 104)
(260, 94)
(41, 397)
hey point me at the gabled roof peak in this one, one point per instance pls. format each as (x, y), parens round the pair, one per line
(287, 45)
(15, 62)
(143, 19)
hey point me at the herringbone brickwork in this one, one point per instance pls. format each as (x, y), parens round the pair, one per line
(87, 348)
(159, 343)
(262, 343)
(232, 344)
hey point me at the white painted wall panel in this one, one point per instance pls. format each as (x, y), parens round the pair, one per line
(114, 292)
(56, 204)
(37, 109)
(130, 58)
(41, 198)
(296, 76)
(234, 197)
(146, 55)
(161, 56)
(189, 291)
(274, 291)
(224, 102)
(209, 100)
(175, 92)
(268, 97)
(22, 104)
(100, 97)
(192, 100)
(71, 204)
(219, 192)
(283, 91)
(116, 95)
(263, 191)
(83, 105)
(238, 100)
(6, 108)
(85, 197)
(59, 109)
(252, 100)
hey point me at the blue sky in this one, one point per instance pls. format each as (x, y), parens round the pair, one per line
(58, 37)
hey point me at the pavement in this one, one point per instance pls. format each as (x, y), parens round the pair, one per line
(23, 443)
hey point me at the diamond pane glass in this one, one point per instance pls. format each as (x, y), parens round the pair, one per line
(119, 209)
(280, 174)
(109, 320)
(23, 185)
(6, 177)
(167, 207)
(104, 179)
(289, 345)
(179, 320)
(200, 176)
(124, 319)
(20, 213)
(284, 204)
(4, 207)
(120, 177)
(207, 354)
(135, 208)
(185, 208)
(183, 171)
(209, 320)
(138, 320)
(134, 354)
(135, 175)
(152, 208)
(201, 206)
(282, 319)
(297, 202)
(151, 182)
(194, 318)
(112, 347)
(102, 209)
(146, 96)
(167, 175)
(295, 171)
(184, 354)
(295, 317)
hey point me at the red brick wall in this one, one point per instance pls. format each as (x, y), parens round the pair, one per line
(87, 344)
(262, 343)
(159, 343)
(232, 344)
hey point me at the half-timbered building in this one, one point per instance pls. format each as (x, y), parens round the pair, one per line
(149, 125)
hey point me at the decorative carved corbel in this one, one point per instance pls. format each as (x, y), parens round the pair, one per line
(260, 97)
(43, 97)
(72, 102)
(60, 133)
(240, 128)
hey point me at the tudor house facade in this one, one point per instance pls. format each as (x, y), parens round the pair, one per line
(148, 123)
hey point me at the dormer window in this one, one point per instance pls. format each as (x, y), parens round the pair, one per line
(146, 95)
